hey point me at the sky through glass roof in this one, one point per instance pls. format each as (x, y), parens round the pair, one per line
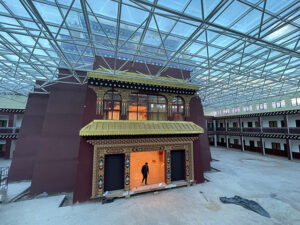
(237, 50)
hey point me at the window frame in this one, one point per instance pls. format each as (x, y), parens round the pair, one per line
(112, 103)
(148, 106)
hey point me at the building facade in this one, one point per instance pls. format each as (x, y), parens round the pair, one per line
(11, 116)
(274, 133)
(91, 139)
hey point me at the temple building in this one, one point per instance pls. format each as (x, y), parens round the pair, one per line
(93, 139)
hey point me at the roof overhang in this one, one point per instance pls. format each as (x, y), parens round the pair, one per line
(138, 127)
(136, 78)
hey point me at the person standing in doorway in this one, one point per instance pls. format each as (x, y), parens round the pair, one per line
(145, 172)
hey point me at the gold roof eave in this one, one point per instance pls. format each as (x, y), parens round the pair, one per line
(139, 127)
(141, 79)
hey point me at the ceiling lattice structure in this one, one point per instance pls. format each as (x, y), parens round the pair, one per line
(237, 50)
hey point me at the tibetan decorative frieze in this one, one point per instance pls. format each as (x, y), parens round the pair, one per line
(167, 145)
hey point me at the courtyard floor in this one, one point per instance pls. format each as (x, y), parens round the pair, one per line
(273, 182)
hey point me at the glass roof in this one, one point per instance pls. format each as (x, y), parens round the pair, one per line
(237, 50)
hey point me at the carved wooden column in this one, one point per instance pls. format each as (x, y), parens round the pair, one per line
(100, 96)
(187, 165)
(98, 173)
(168, 166)
(125, 97)
(127, 172)
(169, 98)
(187, 99)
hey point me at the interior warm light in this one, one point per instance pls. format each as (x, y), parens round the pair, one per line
(156, 163)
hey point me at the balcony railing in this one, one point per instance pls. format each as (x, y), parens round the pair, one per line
(9, 130)
(274, 130)
(210, 129)
(251, 129)
(234, 129)
(294, 130)
(221, 129)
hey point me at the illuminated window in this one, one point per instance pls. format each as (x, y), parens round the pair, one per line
(278, 104)
(247, 108)
(261, 106)
(295, 101)
(147, 107)
(218, 112)
(112, 106)
(178, 108)
(236, 110)
(226, 111)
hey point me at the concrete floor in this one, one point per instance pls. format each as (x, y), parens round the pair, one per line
(273, 182)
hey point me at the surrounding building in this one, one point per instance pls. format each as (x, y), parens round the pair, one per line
(92, 138)
(272, 132)
(11, 114)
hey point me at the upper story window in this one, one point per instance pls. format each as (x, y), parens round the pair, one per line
(147, 107)
(218, 112)
(261, 106)
(3, 123)
(278, 104)
(112, 105)
(236, 110)
(226, 111)
(295, 101)
(178, 108)
(247, 108)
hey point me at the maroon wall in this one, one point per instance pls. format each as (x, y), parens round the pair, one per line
(28, 140)
(202, 156)
(83, 185)
(56, 161)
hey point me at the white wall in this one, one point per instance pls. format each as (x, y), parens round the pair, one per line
(292, 120)
(294, 144)
(12, 148)
(246, 120)
(231, 121)
(265, 120)
(248, 139)
(18, 120)
(221, 136)
(268, 142)
(234, 137)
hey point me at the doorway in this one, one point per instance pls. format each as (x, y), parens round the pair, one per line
(156, 164)
(177, 165)
(114, 172)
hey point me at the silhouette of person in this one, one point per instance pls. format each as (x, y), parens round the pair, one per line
(145, 172)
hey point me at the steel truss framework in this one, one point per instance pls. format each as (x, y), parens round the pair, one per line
(237, 50)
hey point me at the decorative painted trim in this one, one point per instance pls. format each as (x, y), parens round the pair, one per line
(101, 150)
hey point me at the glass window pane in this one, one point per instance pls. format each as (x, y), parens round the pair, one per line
(117, 106)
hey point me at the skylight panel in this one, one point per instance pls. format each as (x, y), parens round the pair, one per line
(249, 21)
(175, 5)
(233, 12)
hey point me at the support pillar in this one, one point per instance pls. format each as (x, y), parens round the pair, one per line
(227, 144)
(215, 125)
(242, 143)
(260, 124)
(262, 141)
(286, 123)
(215, 140)
(289, 150)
